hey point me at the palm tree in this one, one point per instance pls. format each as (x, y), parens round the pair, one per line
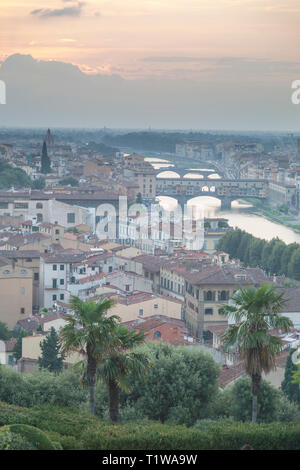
(121, 362)
(255, 312)
(89, 332)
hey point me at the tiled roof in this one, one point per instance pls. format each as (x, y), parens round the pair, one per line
(20, 253)
(151, 263)
(226, 274)
(229, 374)
(63, 257)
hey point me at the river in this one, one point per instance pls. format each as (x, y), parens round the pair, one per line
(238, 216)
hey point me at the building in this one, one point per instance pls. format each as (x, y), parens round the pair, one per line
(144, 305)
(16, 296)
(57, 270)
(208, 288)
(28, 260)
(143, 173)
(161, 328)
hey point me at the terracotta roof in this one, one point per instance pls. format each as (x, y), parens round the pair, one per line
(20, 253)
(230, 374)
(151, 263)
(226, 274)
(64, 257)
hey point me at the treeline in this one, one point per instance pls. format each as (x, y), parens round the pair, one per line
(17, 178)
(101, 148)
(10, 176)
(164, 141)
(275, 256)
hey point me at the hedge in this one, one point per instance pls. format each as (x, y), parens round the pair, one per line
(33, 435)
(75, 430)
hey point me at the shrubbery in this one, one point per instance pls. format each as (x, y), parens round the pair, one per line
(34, 436)
(43, 387)
(178, 388)
(74, 430)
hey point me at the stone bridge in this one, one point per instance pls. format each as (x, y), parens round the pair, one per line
(226, 190)
(184, 171)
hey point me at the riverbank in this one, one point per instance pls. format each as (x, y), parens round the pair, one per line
(273, 214)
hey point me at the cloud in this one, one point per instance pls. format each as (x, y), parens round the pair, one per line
(73, 11)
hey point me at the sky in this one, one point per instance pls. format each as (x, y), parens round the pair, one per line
(226, 42)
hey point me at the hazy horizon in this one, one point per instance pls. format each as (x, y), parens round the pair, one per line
(209, 64)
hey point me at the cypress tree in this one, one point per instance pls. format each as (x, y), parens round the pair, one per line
(45, 161)
(291, 390)
(52, 357)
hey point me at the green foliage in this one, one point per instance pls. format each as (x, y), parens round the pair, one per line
(241, 408)
(33, 435)
(45, 160)
(43, 387)
(101, 148)
(290, 389)
(12, 441)
(69, 181)
(10, 176)
(274, 256)
(287, 410)
(74, 430)
(94, 337)
(17, 350)
(52, 358)
(39, 183)
(5, 334)
(178, 387)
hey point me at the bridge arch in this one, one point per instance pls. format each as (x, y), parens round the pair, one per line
(168, 174)
(195, 176)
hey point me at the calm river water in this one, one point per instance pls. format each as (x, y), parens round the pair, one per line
(238, 216)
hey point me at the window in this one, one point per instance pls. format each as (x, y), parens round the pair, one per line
(72, 280)
(3, 205)
(22, 310)
(36, 276)
(23, 271)
(22, 290)
(127, 287)
(54, 297)
(208, 311)
(21, 205)
(62, 267)
(209, 295)
(141, 312)
(28, 260)
(62, 296)
(39, 205)
(54, 283)
(55, 267)
(71, 218)
(157, 334)
(62, 281)
(56, 232)
(223, 295)
(155, 305)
